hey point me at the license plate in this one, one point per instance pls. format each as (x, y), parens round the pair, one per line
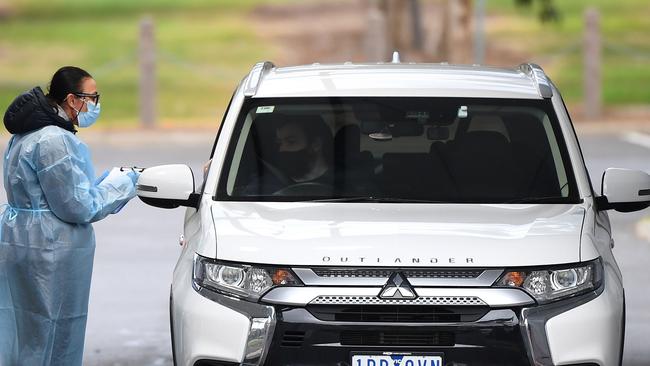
(396, 359)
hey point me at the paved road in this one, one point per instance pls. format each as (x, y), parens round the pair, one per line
(137, 250)
(627, 150)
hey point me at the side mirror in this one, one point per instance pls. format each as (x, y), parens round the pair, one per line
(167, 186)
(624, 190)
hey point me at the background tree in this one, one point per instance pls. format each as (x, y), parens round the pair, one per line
(403, 25)
(456, 43)
(547, 11)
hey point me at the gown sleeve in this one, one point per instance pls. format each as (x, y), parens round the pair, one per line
(62, 164)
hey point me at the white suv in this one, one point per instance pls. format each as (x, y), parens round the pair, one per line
(396, 214)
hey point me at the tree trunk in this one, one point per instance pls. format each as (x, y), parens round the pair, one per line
(456, 45)
(376, 40)
(417, 37)
(398, 24)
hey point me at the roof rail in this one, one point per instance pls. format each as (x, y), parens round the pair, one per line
(536, 73)
(255, 76)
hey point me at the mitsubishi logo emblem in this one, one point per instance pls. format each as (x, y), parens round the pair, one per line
(397, 287)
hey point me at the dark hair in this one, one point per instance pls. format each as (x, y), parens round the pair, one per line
(314, 128)
(66, 80)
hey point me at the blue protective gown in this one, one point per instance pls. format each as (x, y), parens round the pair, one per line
(47, 245)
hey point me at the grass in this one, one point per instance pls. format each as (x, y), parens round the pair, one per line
(625, 29)
(205, 47)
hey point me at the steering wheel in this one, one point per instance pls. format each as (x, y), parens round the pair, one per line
(305, 189)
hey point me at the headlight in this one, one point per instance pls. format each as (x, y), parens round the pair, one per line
(241, 280)
(546, 285)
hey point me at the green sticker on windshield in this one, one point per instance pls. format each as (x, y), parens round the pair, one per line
(462, 111)
(265, 109)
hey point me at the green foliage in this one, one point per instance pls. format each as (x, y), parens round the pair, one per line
(547, 11)
(97, 9)
(557, 46)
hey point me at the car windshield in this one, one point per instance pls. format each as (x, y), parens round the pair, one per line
(398, 149)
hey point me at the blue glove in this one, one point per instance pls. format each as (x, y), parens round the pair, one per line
(134, 176)
(101, 177)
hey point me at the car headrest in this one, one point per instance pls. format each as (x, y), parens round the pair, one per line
(484, 140)
(348, 140)
(438, 133)
(488, 122)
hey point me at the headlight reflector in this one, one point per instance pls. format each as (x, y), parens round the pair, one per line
(567, 278)
(229, 276)
(555, 283)
(241, 280)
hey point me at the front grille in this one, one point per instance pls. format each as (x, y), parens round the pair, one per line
(375, 300)
(498, 342)
(397, 338)
(293, 339)
(386, 272)
(397, 313)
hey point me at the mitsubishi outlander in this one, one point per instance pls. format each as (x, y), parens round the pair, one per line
(396, 214)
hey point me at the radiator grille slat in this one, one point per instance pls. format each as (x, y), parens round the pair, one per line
(375, 300)
(292, 339)
(397, 338)
(397, 313)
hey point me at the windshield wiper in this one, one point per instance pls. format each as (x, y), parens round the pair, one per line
(549, 199)
(375, 199)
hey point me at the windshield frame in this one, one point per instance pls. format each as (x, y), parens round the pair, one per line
(545, 105)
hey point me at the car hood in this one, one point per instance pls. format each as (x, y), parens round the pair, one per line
(392, 234)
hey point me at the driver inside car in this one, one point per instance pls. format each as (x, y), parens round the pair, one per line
(303, 158)
(301, 150)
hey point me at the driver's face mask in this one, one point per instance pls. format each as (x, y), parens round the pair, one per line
(295, 163)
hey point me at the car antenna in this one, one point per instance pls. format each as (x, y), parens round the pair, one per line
(396, 59)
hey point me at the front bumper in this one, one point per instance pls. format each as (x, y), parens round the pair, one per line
(584, 331)
(301, 339)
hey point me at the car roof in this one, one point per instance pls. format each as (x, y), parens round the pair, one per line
(528, 81)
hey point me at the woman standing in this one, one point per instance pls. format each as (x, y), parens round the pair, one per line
(46, 241)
